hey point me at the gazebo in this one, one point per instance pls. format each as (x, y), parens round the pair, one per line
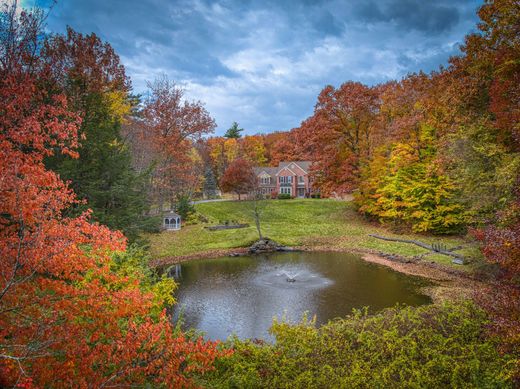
(171, 221)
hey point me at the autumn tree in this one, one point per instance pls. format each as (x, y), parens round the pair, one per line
(252, 148)
(68, 318)
(239, 178)
(89, 73)
(173, 124)
(338, 137)
(222, 152)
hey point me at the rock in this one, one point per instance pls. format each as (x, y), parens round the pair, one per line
(264, 245)
(457, 261)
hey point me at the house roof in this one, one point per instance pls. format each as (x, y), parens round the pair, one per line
(305, 165)
(273, 171)
(269, 170)
(284, 168)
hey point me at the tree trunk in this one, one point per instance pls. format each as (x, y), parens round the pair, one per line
(257, 222)
(448, 252)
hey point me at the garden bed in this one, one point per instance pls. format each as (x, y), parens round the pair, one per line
(226, 226)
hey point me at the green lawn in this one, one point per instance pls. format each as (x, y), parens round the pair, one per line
(303, 222)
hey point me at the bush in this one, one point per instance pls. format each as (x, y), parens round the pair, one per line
(315, 195)
(184, 207)
(284, 196)
(274, 195)
(421, 347)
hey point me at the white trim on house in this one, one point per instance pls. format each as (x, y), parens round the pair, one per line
(286, 167)
(298, 165)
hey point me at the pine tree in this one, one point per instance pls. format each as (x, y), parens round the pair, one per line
(210, 183)
(98, 91)
(234, 131)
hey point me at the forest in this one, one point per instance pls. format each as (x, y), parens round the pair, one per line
(87, 166)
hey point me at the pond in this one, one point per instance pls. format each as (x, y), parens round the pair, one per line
(241, 295)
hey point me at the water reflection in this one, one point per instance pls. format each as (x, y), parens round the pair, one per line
(241, 295)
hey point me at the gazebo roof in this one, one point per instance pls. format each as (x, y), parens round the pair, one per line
(171, 214)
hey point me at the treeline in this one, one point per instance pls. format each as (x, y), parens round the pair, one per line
(77, 308)
(134, 154)
(435, 152)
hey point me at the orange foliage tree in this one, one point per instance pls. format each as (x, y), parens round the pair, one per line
(66, 318)
(173, 125)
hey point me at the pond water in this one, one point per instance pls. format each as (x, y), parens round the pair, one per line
(241, 295)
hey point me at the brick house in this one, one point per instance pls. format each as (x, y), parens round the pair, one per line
(288, 178)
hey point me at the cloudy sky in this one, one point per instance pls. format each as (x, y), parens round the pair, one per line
(263, 62)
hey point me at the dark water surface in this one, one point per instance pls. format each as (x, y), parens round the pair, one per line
(241, 295)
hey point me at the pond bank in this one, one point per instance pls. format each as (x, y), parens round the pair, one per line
(450, 284)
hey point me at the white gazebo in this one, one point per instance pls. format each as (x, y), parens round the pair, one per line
(171, 221)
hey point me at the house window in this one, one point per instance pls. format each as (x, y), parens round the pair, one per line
(285, 179)
(300, 179)
(286, 190)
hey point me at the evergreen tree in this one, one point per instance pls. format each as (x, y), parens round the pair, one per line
(210, 183)
(234, 131)
(103, 173)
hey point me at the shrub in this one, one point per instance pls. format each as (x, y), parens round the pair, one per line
(284, 196)
(184, 207)
(423, 347)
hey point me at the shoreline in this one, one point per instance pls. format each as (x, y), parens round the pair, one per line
(449, 284)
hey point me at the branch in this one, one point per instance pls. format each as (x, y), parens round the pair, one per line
(448, 252)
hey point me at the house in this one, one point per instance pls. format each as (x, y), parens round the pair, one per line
(290, 178)
(171, 221)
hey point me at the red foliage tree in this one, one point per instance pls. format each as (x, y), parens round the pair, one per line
(66, 319)
(239, 177)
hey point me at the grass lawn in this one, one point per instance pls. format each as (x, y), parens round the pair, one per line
(297, 222)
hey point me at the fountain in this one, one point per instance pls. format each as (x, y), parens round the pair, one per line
(290, 277)
(241, 295)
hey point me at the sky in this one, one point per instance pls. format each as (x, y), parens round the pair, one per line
(262, 63)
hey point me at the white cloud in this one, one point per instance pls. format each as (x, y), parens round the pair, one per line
(263, 63)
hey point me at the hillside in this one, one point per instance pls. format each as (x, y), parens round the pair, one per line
(310, 223)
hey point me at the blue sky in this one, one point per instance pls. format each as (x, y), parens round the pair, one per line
(262, 63)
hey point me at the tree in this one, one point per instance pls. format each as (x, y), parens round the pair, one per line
(412, 192)
(239, 178)
(68, 318)
(251, 147)
(89, 73)
(173, 125)
(258, 205)
(210, 183)
(234, 131)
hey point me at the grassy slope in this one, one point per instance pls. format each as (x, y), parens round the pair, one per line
(306, 222)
